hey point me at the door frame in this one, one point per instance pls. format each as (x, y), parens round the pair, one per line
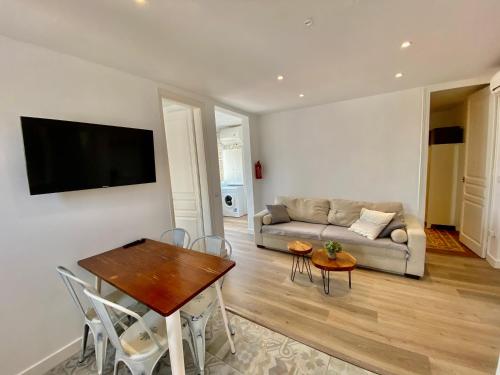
(424, 151)
(247, 161)
(200, 145)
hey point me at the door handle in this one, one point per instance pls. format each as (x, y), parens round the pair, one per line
(463, 178)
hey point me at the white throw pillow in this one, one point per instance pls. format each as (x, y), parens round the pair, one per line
(371, 223)
(399, 236)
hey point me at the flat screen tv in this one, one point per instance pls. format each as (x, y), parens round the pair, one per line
(65, 155)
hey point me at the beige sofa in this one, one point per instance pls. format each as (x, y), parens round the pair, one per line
(320, 220)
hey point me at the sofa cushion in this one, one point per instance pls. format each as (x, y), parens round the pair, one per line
(345, 212)
(267, 219)
(395, 223)
(279, 213)
(295, 229)
(371, 223)
(308, 210)
(399, 236)
(345, 236)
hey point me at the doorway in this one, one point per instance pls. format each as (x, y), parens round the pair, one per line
(460, 157)
(233, 146)
(184, 137)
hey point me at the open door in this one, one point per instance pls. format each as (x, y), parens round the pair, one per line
(182, 148)
(476, 184)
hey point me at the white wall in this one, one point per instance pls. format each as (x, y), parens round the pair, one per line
(367, 148)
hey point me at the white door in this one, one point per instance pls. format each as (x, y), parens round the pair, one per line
(184, 171)
(478, 148)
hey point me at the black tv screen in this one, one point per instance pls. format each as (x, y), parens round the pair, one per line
(66, 155)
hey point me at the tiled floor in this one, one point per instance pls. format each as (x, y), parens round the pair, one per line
(258, 351)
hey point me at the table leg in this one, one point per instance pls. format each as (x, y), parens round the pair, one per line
(325, 275)
(97, 284)
(308, 268)
(175, 350)
(349, 279)
(295, 266)
(224, 316)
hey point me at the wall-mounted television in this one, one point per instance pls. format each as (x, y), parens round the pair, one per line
(65, 155)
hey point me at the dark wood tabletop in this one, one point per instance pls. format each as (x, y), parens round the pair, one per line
(161, 276)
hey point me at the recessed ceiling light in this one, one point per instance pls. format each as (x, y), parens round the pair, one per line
(301, 95)
(405, 44)
(140, 2)
(280, 78)
(308, 22)
(398, 75)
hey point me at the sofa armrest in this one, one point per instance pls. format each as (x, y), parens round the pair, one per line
(417, 245)
(257, 226)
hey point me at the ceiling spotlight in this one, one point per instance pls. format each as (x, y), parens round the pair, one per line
(405, 44)
(280, 78)
(398, 75)
(301, 95)
(308, 22)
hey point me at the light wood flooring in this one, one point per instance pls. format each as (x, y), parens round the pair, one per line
(446, 323)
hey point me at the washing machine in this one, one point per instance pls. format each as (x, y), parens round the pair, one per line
(234, 200)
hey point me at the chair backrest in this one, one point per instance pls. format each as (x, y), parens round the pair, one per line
(215, 245)
(70, 281)
(106, 309)
(176, 237)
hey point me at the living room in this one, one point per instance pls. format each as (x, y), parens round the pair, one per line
(336, 100)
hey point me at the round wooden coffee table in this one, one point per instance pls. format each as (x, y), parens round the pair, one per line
(343, 262)
(300, 249)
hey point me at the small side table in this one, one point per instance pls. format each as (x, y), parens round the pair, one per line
(343, 262)
(300, 249)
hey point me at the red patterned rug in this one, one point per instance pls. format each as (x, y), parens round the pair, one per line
(446, 242)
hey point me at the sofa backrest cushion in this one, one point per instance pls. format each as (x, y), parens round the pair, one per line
(309, 210)
(344, 212)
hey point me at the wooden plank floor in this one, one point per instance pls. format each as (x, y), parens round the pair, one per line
(446, 323)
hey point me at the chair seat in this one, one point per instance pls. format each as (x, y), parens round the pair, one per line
(136, 341)
(200, 304)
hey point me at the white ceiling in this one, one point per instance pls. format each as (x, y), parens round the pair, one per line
(232, 50)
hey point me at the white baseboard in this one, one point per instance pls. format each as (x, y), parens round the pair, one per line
(52, 360)
(494, 262)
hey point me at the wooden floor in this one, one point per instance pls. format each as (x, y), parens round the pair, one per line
(446, 323)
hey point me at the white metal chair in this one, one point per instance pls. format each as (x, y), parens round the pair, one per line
(176, 237)
(198, 310)
(141, 345)
(91, 320)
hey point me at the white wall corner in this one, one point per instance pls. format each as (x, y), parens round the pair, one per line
(52, 360)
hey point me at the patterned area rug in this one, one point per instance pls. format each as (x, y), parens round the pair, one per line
(444, 241)
(259, 351)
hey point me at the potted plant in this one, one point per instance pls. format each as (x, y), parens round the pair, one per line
(332, 248)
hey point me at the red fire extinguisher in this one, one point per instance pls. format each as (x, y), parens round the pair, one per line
(258, 170)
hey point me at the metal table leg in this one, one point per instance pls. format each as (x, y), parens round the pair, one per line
(325, 275)
(295, 266)
(349, 279)
(308, 267)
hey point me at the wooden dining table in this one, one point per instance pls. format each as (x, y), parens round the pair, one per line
(164, 278)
